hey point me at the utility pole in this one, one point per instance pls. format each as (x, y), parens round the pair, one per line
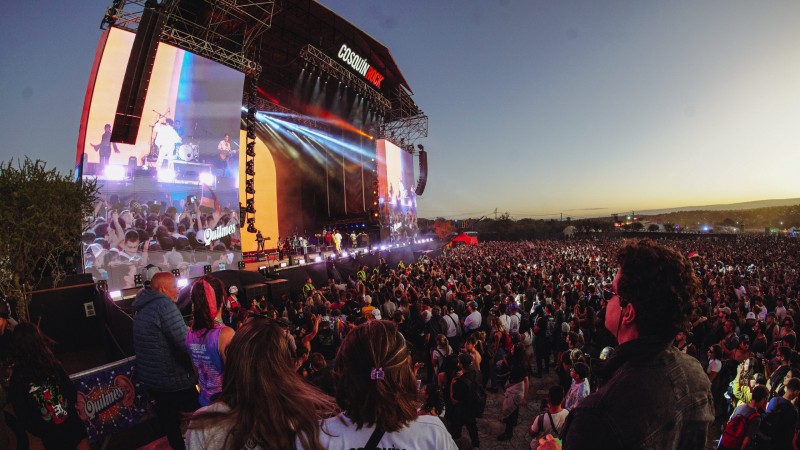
(495, 214)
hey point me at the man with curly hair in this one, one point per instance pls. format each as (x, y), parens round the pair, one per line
(656, 396)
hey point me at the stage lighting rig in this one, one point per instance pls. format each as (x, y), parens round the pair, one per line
(251, 152)
(250, 187)
(250, 170)
(251, 208)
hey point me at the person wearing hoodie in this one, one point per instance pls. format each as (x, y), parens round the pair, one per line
(163, 365)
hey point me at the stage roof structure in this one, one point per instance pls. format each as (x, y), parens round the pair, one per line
(270, 41)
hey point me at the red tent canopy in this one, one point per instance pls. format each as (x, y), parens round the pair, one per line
(465, 239)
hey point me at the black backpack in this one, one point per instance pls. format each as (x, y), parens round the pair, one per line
(779, 420)
(476, 397)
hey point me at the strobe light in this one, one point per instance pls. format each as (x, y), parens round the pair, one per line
(251, 149)
(250, 189)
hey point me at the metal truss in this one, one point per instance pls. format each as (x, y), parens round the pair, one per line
(405, 123)
(325, 63)
(226, 31)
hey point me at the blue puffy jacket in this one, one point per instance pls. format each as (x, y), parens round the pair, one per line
(159, 339)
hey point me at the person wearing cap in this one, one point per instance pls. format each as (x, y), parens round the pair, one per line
(655, 396)
(474, 319)
(163, 364)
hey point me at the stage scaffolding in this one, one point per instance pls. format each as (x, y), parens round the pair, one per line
(226, 31)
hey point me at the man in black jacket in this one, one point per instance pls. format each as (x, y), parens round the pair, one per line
(656, 396)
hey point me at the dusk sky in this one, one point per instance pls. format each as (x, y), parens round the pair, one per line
(536, 107)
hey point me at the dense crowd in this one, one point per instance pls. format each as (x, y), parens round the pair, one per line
(411, 350)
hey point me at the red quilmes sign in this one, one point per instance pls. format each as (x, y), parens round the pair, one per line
(360, 65)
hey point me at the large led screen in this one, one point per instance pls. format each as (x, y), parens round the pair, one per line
(172, 198)
(396, 197)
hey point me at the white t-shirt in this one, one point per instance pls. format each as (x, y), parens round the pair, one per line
(473, 321)
(558, 419)
(714, 365)
(426, 432)
(576, 393)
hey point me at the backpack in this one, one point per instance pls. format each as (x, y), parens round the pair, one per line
(772, 424)
(505, 341)
(449, 363)
(551, 327)
(735, 430)
(476, 397)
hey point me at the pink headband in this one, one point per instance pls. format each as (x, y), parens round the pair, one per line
(211, 299)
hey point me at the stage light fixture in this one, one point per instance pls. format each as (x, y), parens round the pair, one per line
(251, 152)
(251, 113)
(176, 272)
(207, 269)
(137, 279)
(251, 229)
(251, 168)
(250, 189)
(182, 282)
(251, 208)
(251, 134)
(241, 264)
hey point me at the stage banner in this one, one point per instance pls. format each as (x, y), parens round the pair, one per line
(109, 400)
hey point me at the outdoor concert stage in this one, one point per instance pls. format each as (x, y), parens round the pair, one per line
(206, 122)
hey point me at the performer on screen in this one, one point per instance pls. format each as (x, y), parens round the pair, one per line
(225, 152)
(165, 138)
(104, 148)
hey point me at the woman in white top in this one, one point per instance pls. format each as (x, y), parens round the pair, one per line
(376, 391)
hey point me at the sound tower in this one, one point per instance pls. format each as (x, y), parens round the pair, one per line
(423, 172)
(137, 76)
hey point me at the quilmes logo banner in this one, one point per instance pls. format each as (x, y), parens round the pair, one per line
(109, 400)
(360, 65)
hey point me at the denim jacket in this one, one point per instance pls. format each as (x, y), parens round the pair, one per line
(656, 398)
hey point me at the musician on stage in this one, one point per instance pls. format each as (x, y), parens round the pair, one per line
(104, 148)
(259, 241)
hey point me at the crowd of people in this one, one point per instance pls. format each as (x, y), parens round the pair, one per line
(124, 236)
(404, 356)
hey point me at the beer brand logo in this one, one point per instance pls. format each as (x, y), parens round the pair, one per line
(218, 233)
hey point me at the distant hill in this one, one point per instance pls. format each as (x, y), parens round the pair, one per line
(772, 214)
(725, 207)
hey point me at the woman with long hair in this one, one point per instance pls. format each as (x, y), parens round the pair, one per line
(42, 394)
(264, 403)
(376, 390)
(208, 338)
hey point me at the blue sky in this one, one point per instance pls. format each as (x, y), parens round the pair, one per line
(535, 107)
